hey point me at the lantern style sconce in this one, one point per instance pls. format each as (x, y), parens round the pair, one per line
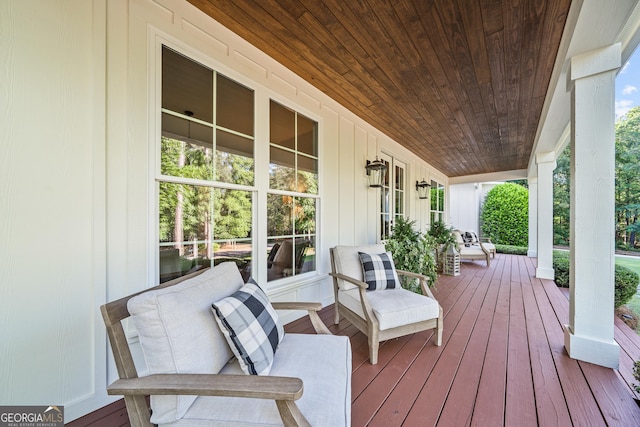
(422, 188)
(376, 172)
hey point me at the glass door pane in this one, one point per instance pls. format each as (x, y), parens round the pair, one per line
(392, 195)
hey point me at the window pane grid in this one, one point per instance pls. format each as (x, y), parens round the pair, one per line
(207, 177)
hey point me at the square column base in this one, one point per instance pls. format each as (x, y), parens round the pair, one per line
(545, 273)
(590, 350)
(532, 253)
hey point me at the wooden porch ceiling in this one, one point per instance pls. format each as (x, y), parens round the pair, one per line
(460, 83)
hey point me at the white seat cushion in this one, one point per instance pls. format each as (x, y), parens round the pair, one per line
(178, 331)
(393, 307)
(472, 251)
(323, 362)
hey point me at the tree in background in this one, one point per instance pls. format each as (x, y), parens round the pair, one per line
(505, 215)
(561, 198)
(627, 186)
(628, 178)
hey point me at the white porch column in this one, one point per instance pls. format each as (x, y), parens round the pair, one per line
(533, 217)
(546, 164)
(590, 333)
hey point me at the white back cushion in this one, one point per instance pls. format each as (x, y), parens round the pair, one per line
(347, 261)
(179, 334)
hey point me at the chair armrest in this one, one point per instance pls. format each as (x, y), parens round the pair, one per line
(362, 288)
(256, 386)
(283, 390)
(423, 281)
(294, 305)
(312, 308)
(412, 274)
(485, 250)
(356, 282)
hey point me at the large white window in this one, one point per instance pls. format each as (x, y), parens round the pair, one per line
(293, 192)
(207, 189)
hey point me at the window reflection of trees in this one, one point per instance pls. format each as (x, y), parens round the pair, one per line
(199, 223)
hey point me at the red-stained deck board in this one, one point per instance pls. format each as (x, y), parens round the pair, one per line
(428, 406)
(490, 401)
(458, 409)
(520, 400)
(400, 401)
(582, 406)
(367, 403)
(550, 403)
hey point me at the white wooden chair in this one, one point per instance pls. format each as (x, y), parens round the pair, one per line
(380, 314)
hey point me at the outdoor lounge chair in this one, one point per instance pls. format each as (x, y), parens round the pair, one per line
(380, 314)
(196, 377)
(471, 251)
(472, 237)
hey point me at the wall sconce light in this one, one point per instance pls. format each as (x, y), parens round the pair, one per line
(422, 188)
(376, 172)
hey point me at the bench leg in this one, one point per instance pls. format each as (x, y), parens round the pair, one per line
(439, 329)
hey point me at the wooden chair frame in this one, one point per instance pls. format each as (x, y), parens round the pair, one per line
(284, 390)
(369, 325)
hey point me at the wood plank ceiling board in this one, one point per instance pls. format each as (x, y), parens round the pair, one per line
(460, 83)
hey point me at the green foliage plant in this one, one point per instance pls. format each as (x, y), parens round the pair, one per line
(626, 281)
(626, 285)
(627, 190)
(443, 237)
(561, 198)
(636, 375)
(512, 250)
(412, 251)
(505, 215)
(442, 234)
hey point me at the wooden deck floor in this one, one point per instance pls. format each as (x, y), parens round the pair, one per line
(502, 360)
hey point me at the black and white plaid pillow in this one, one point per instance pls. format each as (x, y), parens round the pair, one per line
(251, 327)
(378, 271)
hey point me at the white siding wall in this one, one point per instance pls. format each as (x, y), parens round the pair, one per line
(77, 205)
(52, 204)
(464, 206)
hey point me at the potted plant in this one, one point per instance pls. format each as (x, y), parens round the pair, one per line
(412, 251)
(444, 238)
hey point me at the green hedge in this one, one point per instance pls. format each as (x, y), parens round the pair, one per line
(505, 215)
(512, 250)
(626, 281)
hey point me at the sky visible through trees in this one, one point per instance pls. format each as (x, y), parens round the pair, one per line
(628, 86)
